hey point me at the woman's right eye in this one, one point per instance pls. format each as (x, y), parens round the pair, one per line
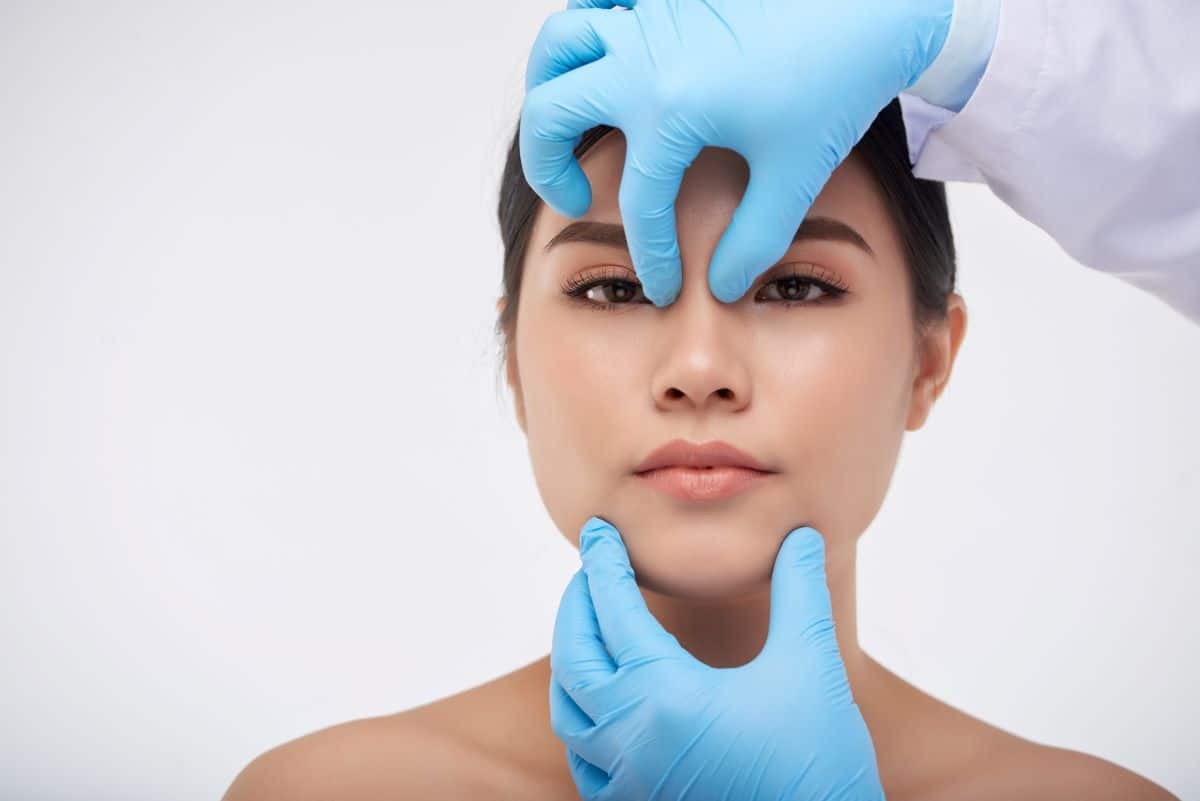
(605, 293)
(613, 292)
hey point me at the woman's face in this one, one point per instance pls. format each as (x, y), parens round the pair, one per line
(821, 390)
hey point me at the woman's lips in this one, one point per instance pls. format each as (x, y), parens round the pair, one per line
(703, 484)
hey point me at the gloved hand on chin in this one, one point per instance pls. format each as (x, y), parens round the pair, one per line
(643, 719)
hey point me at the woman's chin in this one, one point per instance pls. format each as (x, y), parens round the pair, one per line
(703, 561)
(684, 586)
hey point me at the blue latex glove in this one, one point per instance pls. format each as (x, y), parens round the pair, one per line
(643, 719)
(791, 85)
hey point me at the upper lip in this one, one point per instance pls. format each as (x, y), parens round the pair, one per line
(681, 453)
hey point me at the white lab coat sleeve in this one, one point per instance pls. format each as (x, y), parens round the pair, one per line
(1087, 123)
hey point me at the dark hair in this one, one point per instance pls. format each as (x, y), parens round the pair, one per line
(917, 206)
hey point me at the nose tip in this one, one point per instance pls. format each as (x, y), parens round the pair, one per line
(701, 374)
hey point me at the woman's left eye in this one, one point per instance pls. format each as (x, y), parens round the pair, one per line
(798, 289)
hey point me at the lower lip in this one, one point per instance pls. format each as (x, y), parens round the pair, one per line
(703, 484)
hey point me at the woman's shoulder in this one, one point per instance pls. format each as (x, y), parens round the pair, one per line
(997, 765)
(1035, 772)
(978, 761)
(393, 756)
(455, 747)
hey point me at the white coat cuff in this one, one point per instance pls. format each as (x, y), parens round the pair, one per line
(980, 139)
(952, 77)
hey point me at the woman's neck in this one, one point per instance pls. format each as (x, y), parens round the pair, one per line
(728, 633)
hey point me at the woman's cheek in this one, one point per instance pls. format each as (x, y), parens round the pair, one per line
(577, 396)
(838, 393)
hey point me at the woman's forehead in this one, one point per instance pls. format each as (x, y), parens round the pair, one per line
(712, 188)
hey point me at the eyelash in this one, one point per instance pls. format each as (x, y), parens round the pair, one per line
(577, 286)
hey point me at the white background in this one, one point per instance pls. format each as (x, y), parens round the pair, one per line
(258, 476)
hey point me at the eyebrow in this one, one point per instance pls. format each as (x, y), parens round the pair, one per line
(613, 234)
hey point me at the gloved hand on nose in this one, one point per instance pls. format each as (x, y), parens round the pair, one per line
(791, 85)
(643, 719)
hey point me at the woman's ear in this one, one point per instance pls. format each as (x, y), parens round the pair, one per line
(938, 349)
(512, 376)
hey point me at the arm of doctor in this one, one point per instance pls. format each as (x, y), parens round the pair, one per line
(1086, 122)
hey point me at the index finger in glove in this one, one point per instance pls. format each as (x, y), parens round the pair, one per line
(761, 229)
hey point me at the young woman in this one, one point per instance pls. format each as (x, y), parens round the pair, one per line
(817, 372)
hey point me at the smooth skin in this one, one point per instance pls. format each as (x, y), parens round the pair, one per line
(821, 391)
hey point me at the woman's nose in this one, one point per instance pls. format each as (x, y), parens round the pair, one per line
(704, 364)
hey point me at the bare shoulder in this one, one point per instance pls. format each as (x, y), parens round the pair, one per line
(1034, 772)
(941, 753)
(1070, 774)
(443, 749)
(386, 757)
